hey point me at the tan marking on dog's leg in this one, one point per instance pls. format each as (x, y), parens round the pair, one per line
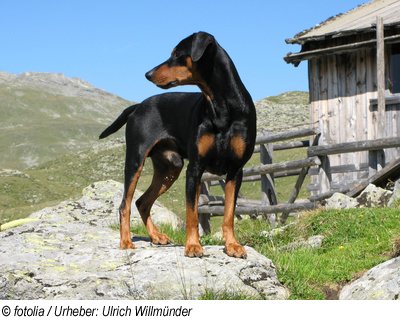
(192, 246)
(125, 213)
(232, 247)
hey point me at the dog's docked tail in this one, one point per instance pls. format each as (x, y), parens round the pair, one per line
(119, 122)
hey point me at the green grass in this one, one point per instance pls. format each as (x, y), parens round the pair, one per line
(293, 97)
(354, 241)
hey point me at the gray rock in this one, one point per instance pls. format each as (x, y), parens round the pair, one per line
(276, 231)
(373, 196)
(394, 200)
(380, 283)
(309, 243)
(99, 205)
(70, 252)
(340, 201)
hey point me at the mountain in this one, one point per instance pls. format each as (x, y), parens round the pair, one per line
(284, 112)
(45, 115)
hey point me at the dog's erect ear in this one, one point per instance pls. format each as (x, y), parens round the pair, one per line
(200, 43)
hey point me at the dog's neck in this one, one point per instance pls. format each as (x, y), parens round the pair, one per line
(221, 89)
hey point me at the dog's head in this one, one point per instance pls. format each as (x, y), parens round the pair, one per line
(181, 67)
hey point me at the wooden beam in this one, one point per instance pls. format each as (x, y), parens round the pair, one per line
(296, 58)
(268, 194)
(220, 200)
(257, 178)
(287, 135)
(272, 168)
(391, 170)
(367, 145)
(256, 210)
(380, 66)
(291, 145)
(286, 145)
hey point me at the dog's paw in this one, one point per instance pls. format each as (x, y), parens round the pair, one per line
(126, 244)
(160, 239)
(193, 250)
(235, 250)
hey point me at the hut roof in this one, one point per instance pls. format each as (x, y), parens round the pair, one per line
(360, 19)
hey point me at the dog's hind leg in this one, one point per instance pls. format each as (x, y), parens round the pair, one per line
(133, 167)
(167, 166)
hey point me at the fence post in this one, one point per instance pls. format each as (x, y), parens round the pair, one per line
(268, 194)
(324, 175)
(299, 182)
(376, 159)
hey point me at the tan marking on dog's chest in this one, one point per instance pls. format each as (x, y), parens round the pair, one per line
(238, 146)
(205, 143)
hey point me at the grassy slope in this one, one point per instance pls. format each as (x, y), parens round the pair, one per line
(354, 241)
(38, 126)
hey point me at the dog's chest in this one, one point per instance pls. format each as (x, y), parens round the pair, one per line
(222, 152)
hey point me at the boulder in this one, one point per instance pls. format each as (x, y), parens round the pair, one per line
(373, 196)
(340, 201)
(70, 251)
(380, 283)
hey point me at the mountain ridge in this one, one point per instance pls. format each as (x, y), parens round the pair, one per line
(45, 115)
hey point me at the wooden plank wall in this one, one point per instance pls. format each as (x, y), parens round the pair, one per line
(341, 87)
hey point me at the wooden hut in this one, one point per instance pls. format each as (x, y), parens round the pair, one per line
(354, 86)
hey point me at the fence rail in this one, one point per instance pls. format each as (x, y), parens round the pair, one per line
(376, 167)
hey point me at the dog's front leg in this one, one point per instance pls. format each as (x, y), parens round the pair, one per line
(232, 186)
(193, 186)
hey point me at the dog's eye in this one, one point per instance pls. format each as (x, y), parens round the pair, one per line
(177, 54)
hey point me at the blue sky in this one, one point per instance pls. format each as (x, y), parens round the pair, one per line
(112, 44)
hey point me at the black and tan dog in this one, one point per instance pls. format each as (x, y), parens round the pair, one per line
(215, 130)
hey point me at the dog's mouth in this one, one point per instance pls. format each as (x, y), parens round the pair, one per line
(170, 84)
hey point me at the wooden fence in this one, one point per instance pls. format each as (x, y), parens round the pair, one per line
(266, 172)
(317, 164)
(375, 171)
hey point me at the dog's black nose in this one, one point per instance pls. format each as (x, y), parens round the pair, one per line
(149, 75)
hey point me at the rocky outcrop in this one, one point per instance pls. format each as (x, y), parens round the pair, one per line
(340, 201)
(71, 251)
(371, 196)
(380, 283)
(278, 112)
